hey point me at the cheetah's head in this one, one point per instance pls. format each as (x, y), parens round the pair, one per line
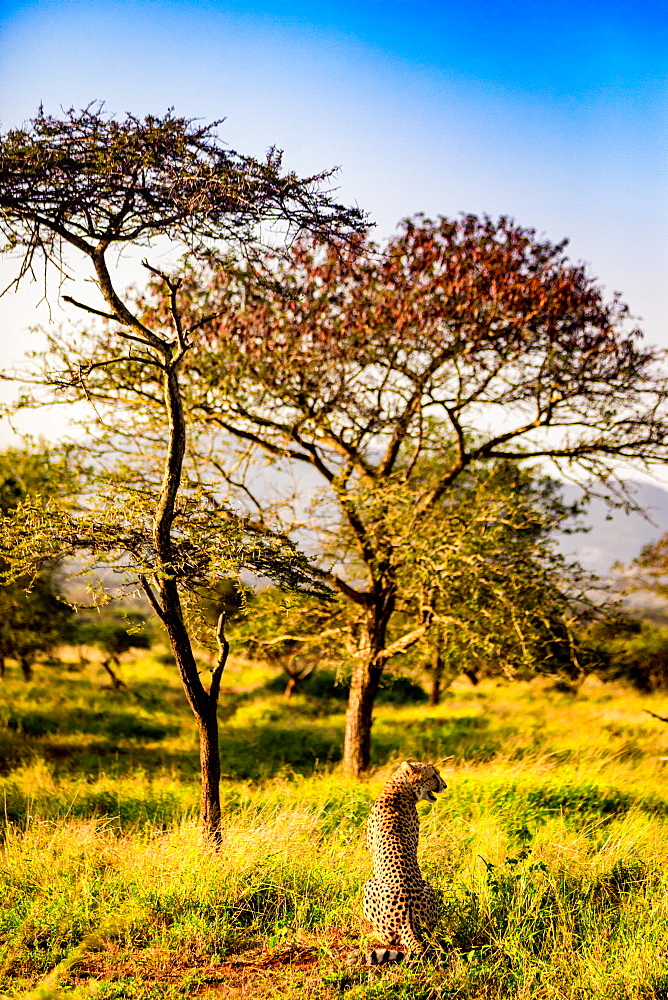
(424, 778)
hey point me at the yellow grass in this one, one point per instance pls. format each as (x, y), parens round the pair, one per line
(550, 847)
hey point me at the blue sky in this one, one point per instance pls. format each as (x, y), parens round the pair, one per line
(554, 113)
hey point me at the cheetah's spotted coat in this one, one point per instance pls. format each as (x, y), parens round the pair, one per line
(397, 900)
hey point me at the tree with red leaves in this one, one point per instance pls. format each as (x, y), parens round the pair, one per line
(395, 372)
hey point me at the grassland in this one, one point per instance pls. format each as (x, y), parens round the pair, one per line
(550, 847)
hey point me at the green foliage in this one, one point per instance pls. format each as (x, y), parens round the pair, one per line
(633, 651)
(34, 619)
(637, 651)
(38, 468)
(209, 543)
(324, 686)
(295, 632)
(648, 572)
(485, 567)
(503, 599)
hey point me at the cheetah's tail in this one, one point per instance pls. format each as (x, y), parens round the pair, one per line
(379, 956)
(408, 936)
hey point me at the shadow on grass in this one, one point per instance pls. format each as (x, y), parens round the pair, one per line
(252, 753)
(267, 738)
(114, 725)
(263, 751)
(434, 738)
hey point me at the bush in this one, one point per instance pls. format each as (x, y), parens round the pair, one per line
(639, 657)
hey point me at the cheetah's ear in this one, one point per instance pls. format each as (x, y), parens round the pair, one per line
(408, 767)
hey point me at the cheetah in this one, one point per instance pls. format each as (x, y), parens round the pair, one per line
(397, 900)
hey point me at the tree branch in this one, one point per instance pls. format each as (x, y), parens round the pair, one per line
(89, 309)
(362, 597)
(92, 365)
(654, 715)
(300, 638)
(403, 422)
(173, 287)
(118, 307)
(281, 451)
(152, 599)
(403, 643)
(223, 652)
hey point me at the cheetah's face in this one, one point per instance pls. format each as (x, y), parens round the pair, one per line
(425, 779)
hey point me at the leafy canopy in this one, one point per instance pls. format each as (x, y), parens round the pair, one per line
(91, 180)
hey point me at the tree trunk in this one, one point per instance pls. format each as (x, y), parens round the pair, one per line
(364, 683)
(204, 705)
(26, 667)
(117, 683)
(209, 759)
(2, 666)
(436, 676)
(359, 718)
(291, 686)
(296, 675)
(167, 605)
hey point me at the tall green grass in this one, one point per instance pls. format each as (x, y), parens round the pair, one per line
(549, 848)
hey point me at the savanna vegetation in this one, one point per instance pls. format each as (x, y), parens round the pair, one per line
(313, 471)
(549, 846)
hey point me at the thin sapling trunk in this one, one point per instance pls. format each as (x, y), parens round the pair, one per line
(167, 602)
(437, 665)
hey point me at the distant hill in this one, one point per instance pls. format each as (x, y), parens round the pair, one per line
(616, 536)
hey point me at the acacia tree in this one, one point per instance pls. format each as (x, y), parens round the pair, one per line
(94, 186)
(634, 648)
(113, 634)
(460, 342)
(296, 632)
